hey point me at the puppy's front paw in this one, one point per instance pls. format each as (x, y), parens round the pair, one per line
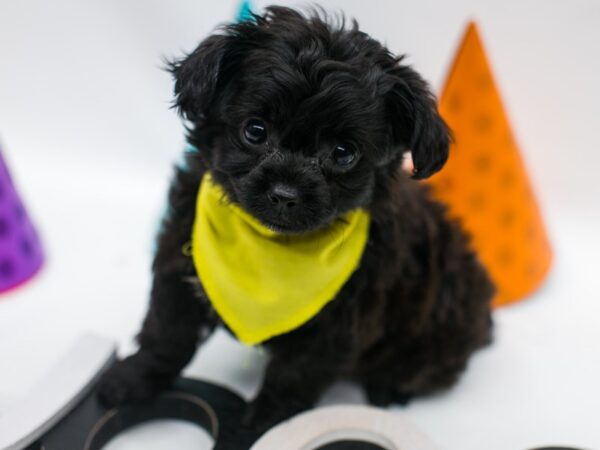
(384, 396)
(261, 415)
(127, 381)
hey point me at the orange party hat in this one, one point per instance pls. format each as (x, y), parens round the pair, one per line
(485, 182)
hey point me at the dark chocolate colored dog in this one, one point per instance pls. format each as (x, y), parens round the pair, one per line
(302, 119)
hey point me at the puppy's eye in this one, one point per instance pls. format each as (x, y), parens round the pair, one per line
(255, 131)
(343, 155)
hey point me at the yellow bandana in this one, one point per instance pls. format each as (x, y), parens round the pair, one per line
(263, 283)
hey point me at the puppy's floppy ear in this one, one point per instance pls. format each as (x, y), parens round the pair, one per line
(199, 75)
(416, 123)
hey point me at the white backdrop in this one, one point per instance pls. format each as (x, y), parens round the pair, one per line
(87, 130)
(83, 77)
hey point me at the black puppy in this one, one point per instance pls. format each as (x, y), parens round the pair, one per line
(317, 115)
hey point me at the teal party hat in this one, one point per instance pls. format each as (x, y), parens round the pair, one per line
(244, 11)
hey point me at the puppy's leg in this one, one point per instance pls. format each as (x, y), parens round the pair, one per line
(288, 388)
(168, 340)
(408, 370)
(301, 368)
(177, 316)
(421, 359)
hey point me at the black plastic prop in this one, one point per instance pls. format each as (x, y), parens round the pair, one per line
(89, 426)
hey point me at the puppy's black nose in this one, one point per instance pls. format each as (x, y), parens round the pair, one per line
(283, 195)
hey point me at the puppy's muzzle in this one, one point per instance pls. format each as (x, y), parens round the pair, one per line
(283, 196)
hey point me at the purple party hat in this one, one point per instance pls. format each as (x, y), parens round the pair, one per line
(20, 250)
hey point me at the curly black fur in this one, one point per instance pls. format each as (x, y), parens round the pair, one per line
(419, 304)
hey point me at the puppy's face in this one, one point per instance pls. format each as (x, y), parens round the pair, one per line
(297, 118)
(299, 148)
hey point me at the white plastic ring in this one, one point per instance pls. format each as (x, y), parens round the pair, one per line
(388, 429)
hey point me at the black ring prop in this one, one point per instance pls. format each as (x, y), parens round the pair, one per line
(89, 426)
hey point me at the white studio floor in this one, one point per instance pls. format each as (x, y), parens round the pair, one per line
(536, 385)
